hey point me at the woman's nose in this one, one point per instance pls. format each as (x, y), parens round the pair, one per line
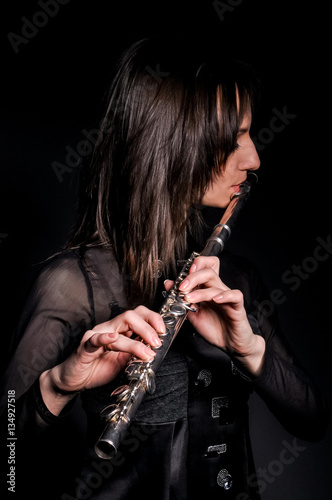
(252, 161)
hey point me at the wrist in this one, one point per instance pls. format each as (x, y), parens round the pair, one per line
(54, 397)
(252, 358)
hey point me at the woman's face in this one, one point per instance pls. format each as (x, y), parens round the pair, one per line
(240, 162)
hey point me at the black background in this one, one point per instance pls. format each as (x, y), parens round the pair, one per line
(52, 90)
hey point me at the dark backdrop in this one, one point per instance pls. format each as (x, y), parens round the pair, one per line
(56, 64)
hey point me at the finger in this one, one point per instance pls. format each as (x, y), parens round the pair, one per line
(202, 262)
(99, 343)
(101, 340)
(168, 285)
(203, 294)
(233, 297)
(132, 346)
(92, 345)
(153, 318)
(205, 276)
(142, 321)
(92, 342)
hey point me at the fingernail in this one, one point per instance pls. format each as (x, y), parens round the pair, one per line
(162, 328)
(193, 268)
(112, 335)
(156, 342)
(149, 351)
(184, 284)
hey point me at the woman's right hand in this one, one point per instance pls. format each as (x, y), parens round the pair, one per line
(102, 353)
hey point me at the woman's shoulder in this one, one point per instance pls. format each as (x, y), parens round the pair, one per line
(62, 268)
(75, 263)
(62, 281)
(88, 275)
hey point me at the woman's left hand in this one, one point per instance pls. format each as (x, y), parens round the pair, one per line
(221, 317)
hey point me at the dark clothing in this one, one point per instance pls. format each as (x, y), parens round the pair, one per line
(193, 431)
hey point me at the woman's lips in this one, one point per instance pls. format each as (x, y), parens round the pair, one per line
(236, 187)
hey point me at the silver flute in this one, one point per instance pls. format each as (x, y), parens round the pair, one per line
(174, 310)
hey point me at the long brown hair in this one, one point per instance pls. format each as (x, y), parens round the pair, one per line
(164, 138)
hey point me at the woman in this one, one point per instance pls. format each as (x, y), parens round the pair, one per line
(170, 143)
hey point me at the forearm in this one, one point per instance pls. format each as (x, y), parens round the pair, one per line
(292, 397)
(33, 416)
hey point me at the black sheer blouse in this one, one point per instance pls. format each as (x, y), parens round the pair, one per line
(190, 437)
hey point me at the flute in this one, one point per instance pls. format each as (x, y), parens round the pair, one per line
(174, 310)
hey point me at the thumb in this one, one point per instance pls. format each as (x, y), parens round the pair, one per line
(168, 285)
(97, 340)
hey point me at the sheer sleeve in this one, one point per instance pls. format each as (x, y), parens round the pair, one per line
(58, 312)
(284, 384)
